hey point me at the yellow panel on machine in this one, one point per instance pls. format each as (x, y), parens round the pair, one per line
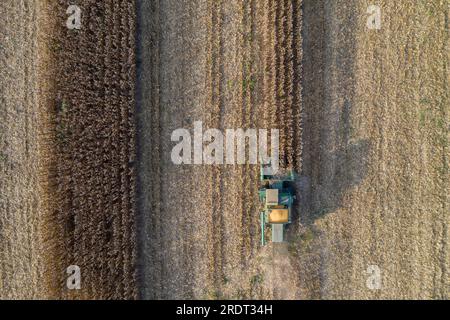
(279, 216)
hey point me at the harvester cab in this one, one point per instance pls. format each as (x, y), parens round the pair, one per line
(277, 195)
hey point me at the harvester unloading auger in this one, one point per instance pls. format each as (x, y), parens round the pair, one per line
(277, 195)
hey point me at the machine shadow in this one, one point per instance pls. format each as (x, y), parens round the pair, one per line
(334, 159)
(318, 197)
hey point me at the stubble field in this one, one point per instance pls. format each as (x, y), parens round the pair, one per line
(24, 133)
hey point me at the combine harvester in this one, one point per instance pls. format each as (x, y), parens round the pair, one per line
(277, 195)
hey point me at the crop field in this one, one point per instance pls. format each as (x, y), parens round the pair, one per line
(89, 112)
(89, 152)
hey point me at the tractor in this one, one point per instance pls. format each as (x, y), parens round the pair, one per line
(278, 196)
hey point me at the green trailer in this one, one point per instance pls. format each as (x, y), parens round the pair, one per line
(278, 196)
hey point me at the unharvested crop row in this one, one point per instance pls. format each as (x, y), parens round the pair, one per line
(93, 215)
(286, 70)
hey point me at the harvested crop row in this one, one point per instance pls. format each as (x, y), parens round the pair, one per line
(94, 223)
(23, 148)
(173, 200)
